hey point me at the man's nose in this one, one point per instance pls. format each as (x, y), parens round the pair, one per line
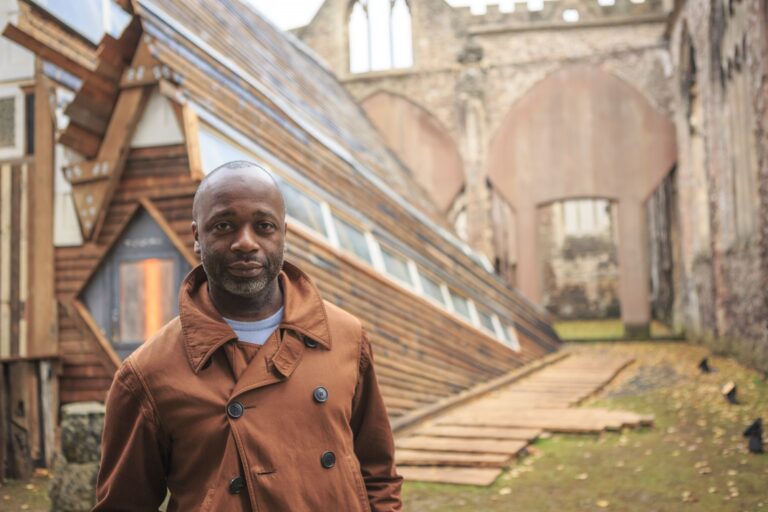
(246, 240)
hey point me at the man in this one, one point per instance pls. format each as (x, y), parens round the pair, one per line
(260, 395)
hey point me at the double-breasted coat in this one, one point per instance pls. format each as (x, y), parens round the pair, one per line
(300, 427)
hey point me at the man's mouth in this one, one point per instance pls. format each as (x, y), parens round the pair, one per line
(245, 268)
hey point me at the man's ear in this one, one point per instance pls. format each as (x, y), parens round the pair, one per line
(196, 247)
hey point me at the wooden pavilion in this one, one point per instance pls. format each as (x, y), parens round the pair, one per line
(128, 119)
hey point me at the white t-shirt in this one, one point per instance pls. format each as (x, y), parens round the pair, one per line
(259, 331)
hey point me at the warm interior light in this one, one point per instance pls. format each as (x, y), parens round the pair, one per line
(153, 303)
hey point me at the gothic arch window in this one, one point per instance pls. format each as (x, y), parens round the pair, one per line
(380, 35)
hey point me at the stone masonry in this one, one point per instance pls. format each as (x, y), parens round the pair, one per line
(699, 66)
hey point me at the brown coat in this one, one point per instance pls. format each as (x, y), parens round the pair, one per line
(177, 416)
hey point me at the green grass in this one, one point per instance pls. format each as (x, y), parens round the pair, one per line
(693, 458)
(603, 329)
(695, 449)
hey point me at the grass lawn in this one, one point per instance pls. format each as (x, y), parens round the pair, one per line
(694, 458)
(603, 329)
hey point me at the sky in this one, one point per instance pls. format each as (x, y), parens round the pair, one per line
(288, 14)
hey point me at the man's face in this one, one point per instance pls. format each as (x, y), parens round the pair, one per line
(240, 231)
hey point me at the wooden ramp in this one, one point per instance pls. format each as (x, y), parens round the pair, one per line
(473, 443)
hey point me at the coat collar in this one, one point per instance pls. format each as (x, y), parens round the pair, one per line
(204, 330)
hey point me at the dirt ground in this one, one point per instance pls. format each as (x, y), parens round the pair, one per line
(694, 458)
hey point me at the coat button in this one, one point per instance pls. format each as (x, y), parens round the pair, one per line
(309, 342)
(328, 460)
(236, 485)
(235, 410)
(320, 394)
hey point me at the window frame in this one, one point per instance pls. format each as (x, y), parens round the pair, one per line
(397, 255)
(16, 150)
(333, 217)
(369, 31)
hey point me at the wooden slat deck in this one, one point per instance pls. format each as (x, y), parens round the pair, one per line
(472, 443)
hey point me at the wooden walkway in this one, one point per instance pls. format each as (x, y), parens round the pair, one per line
(473, 443)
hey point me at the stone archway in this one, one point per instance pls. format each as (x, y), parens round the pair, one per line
(583, 132)
(421, 142)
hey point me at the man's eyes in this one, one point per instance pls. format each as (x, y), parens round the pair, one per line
(263, 226)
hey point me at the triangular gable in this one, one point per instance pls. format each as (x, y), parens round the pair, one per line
(133, 289)
(158, 125)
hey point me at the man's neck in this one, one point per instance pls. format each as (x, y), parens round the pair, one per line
(247, 309)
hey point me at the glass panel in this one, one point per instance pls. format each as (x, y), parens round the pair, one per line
(147, 296)
(215, 150)
(379, 17)
(359, 42)
(352, 239)
(90, 18)
(486, 320)
(431, 288)
(8, 122)
(396, 266)
(460, 305)
(402, 45)
(510, 337)
(303, 208)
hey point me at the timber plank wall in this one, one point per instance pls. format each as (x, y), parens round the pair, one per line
(314, 136)
(420, 357)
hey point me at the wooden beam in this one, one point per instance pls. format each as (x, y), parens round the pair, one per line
(192, 141)
(48, 376)
(109, 58)
(41, 303)
(90, 111)
(21, 431)
(145, 69)
(92, 198)
(82, 141)
(177, 242)
(5, 260)
(94, 329)
(4, 423)
(23, 241)
(48, 50)
(87, 171)
(24, 34)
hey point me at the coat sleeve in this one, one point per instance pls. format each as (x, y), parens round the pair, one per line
(134, 451)
(374, 446)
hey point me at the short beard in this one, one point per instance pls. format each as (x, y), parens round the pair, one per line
(242, 287)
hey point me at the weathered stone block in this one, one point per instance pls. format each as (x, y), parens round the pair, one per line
(81, 426)
(73, 487)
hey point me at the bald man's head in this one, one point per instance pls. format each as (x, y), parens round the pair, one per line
(237, 169)
(239, 229)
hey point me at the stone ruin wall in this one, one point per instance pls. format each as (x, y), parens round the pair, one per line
(725, 271)
(719, 289)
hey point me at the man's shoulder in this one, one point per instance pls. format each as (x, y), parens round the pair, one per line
(339, 315)
(341, 321)
(159, 350)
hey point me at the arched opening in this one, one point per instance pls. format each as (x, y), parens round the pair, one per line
(583, 132)
(421, 142)
(379, 35)
(578, 240)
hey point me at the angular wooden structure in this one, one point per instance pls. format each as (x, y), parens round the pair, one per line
(178, 87)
